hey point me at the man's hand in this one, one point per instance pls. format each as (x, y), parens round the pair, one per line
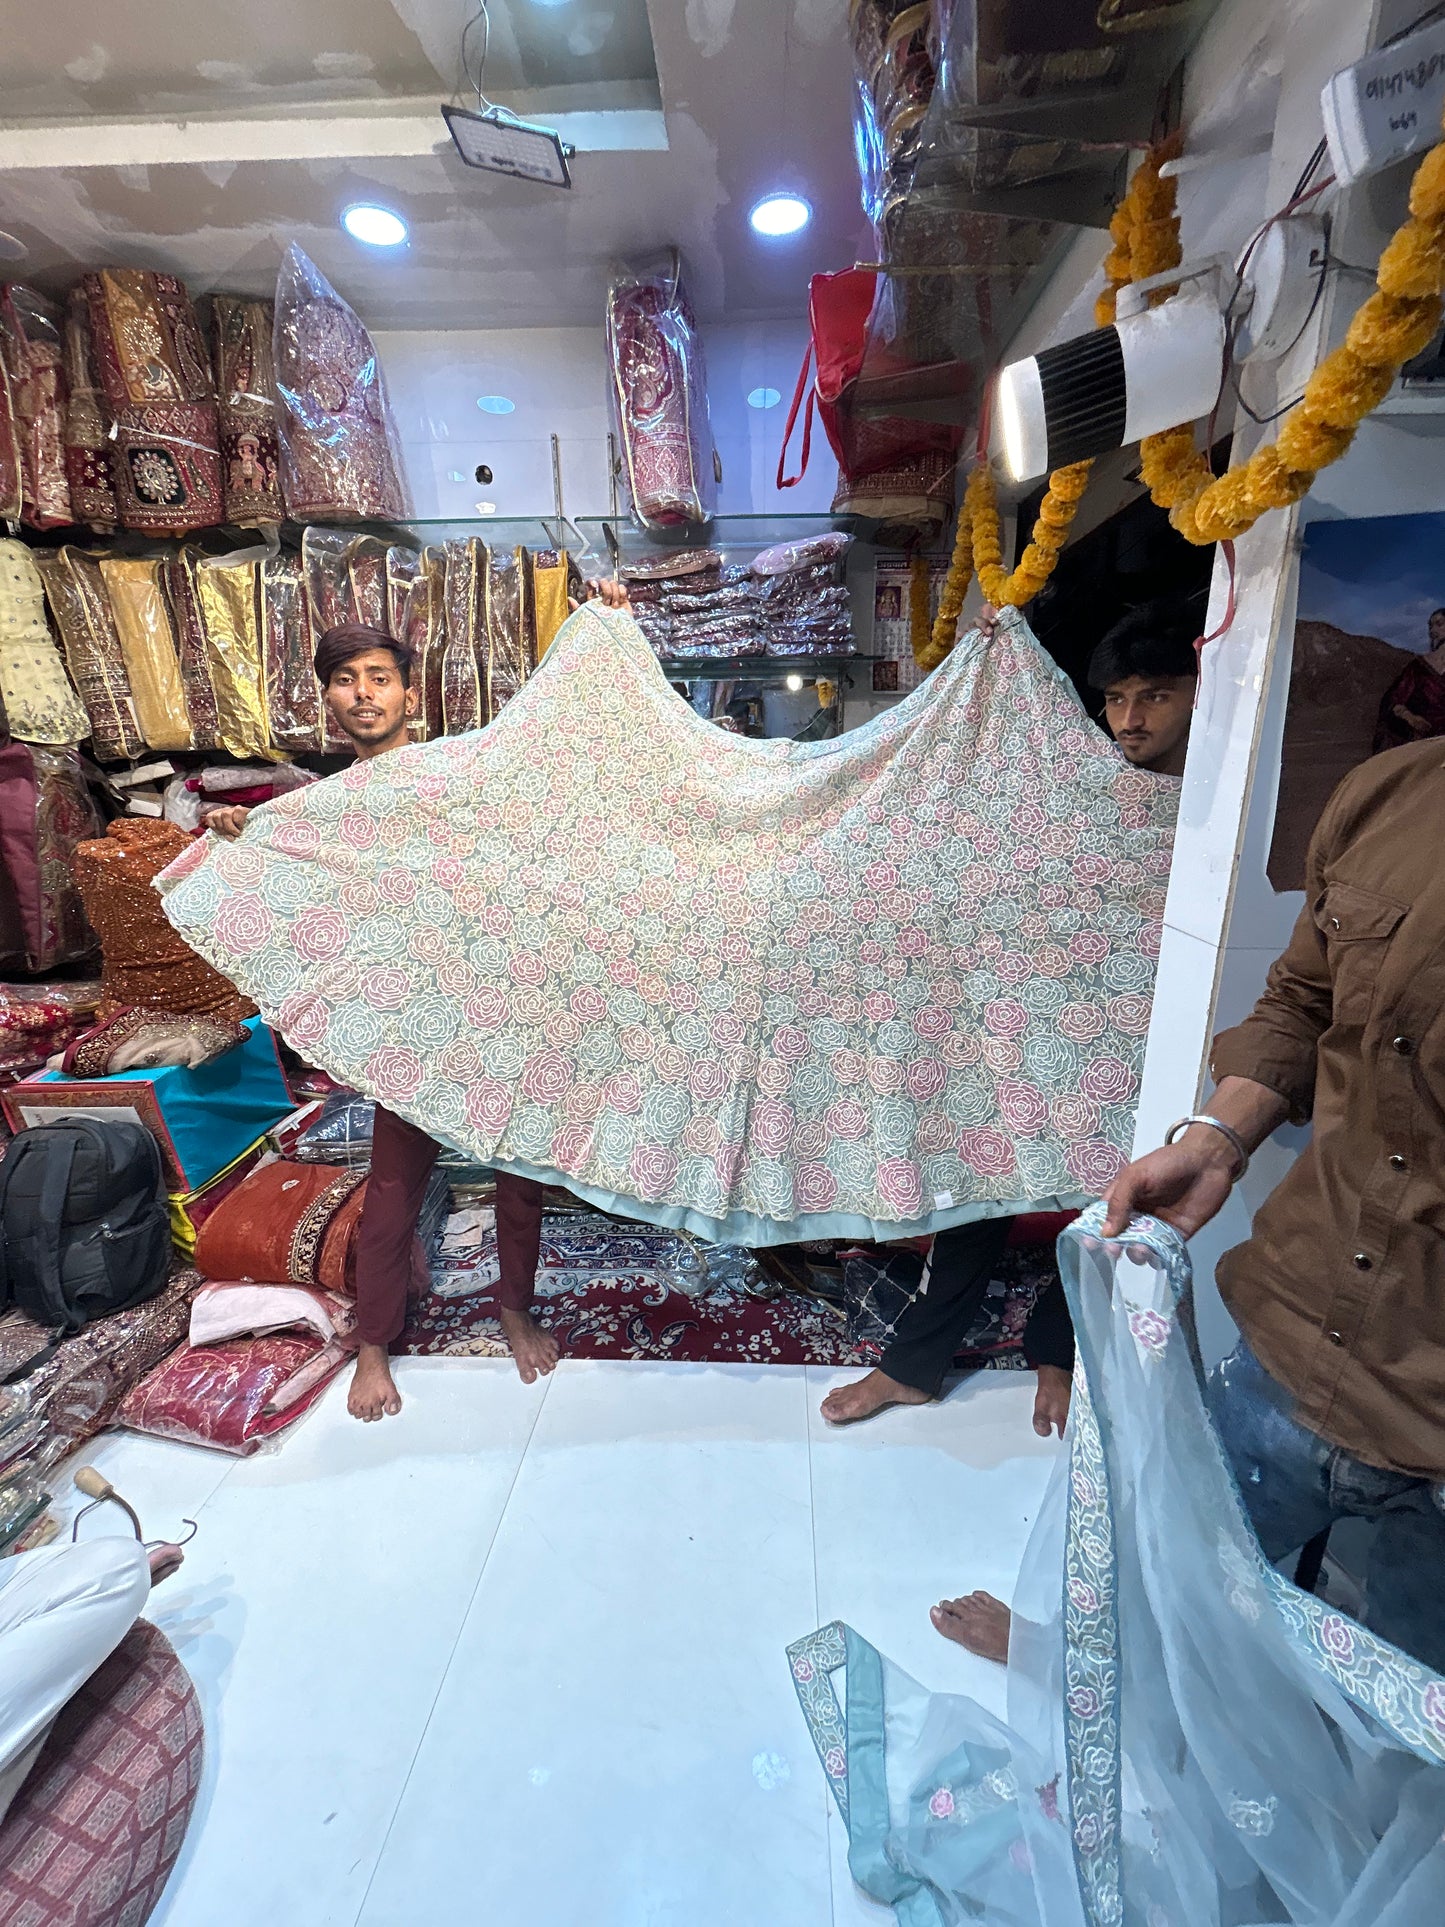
(1417, 724)
(228, 822)
(603, 589)
(1186, 1183)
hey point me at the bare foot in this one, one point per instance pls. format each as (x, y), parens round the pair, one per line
(980, 1622)
(164, 1560)
(373, 1393)
(867, 1396)
(1051, 1402)
(535, 1350)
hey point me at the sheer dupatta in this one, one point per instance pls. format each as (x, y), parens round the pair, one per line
(1191, 1741)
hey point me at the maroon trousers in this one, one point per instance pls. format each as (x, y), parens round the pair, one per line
(401, 1160)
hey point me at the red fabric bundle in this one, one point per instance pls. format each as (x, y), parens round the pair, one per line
(35, 365)
(287, 1224)
(659, 397)
(231, 1397)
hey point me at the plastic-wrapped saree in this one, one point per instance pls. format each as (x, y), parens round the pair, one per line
(864, 987)
(1191, 1740)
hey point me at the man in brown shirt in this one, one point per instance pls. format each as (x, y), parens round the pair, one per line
(1333, 1404)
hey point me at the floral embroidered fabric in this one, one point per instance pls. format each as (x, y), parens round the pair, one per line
(1190, 1738)
(40, 704)
(760, 989)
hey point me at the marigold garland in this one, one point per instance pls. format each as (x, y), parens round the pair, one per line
(1390, 327)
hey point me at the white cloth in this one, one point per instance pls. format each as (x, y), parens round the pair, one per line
(63, 1612)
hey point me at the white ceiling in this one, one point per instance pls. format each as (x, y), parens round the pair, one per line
(756, 95)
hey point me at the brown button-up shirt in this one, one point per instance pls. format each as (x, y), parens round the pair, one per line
(1340, 1290)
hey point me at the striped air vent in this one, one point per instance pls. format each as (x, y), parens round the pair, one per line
(1084, 396)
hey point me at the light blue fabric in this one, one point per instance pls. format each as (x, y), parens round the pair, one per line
(1191, 1741)
(213, 1113)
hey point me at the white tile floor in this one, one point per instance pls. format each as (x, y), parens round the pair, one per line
(517, 1657)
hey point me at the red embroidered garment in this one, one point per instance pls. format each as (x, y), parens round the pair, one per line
(287, 1224)
(156, 377)
(293, 696)
(246, 399)
(659, 397)
(35, 366)
(339, 453)
(87, 437)
(228, 1396)
(45, 812)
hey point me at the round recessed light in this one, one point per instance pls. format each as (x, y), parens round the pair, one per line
(795, 683)
(780, 214)
(486, 508)
(377, 226)
(496, 405)
(12, 248)
(764, 398)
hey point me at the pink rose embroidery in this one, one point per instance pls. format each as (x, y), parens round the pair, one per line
(880, 1006)
(485, 1009)
(1023, 1107)
(847, 1119)
(932, 1023)
(653, 1168)
(802, 1670)
(926, 1077)
(987, 1150)
(900, 1185)
(356, 831)
(1084, 1702)
(940, 1803)
(1094, 1164)
(1005, 1017)
(386, 989)
(243, 925)
(1083, 1596)
(1338, 1640)
(1151, 1331)
(296, 837)
(885, 1074)
(526, 968)
(1108, 1079)
(319, 934)
(459, 1062)
(1074, 1115)
(623, 1093)
(1048, 1798)
(394, 1073)
(571, 1146)
(701, 1136)
(707, 1080)
(1081, 1023)
(727, 1032)
(488, 1105)
(547, 1078)
(835, 1763)
(814, 1187)
(1433, 1706)
(847, 1067)
(582, 1103)
(587, 1003)
(1089, 946)
(304, 1019)
(790, 1043)
(397, 886)
(774, 1078)
(772, 1124)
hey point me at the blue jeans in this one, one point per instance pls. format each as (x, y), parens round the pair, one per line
(1294, 1484)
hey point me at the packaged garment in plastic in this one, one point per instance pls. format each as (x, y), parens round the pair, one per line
(40, 705)
(227, 597)
(464, 590)
(11, 492)
(807, 552)
(416, 614)
(141, 611)
(659, 396)
(87, 440)
(35, 366)
(179, 574)
(46, 810)
(894, 78)
(511, 653)
(243, 1309)
(231, 1397)
(37, 1020)
(246, 405)
(551, 572)
(341, 1133)
(340, 457)
(155, 375)
(293, 696)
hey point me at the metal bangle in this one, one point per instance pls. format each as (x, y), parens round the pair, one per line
(1215, 1124)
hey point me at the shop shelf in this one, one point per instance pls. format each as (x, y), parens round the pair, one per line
(736, 538)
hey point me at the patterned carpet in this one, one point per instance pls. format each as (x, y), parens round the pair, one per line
(609, 1290)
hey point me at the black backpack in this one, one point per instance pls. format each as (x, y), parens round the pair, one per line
(83, 1225)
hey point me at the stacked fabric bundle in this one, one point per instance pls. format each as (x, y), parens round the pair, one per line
(37, 1020)
(788, 601)
(22, 1501)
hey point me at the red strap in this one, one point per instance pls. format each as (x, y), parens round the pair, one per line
(1215, 634)
(792, 481)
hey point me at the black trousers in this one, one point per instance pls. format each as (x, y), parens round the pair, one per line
(933, 1327)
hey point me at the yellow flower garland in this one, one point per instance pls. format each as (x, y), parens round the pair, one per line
(1392, 325)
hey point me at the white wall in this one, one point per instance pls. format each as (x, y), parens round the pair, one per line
(557, 377)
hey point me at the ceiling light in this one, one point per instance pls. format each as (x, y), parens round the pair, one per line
(497, 141)
(780, 214)
(486, 508)
(795, 683)
(764, 398)
(496, 405)
(377, 226)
